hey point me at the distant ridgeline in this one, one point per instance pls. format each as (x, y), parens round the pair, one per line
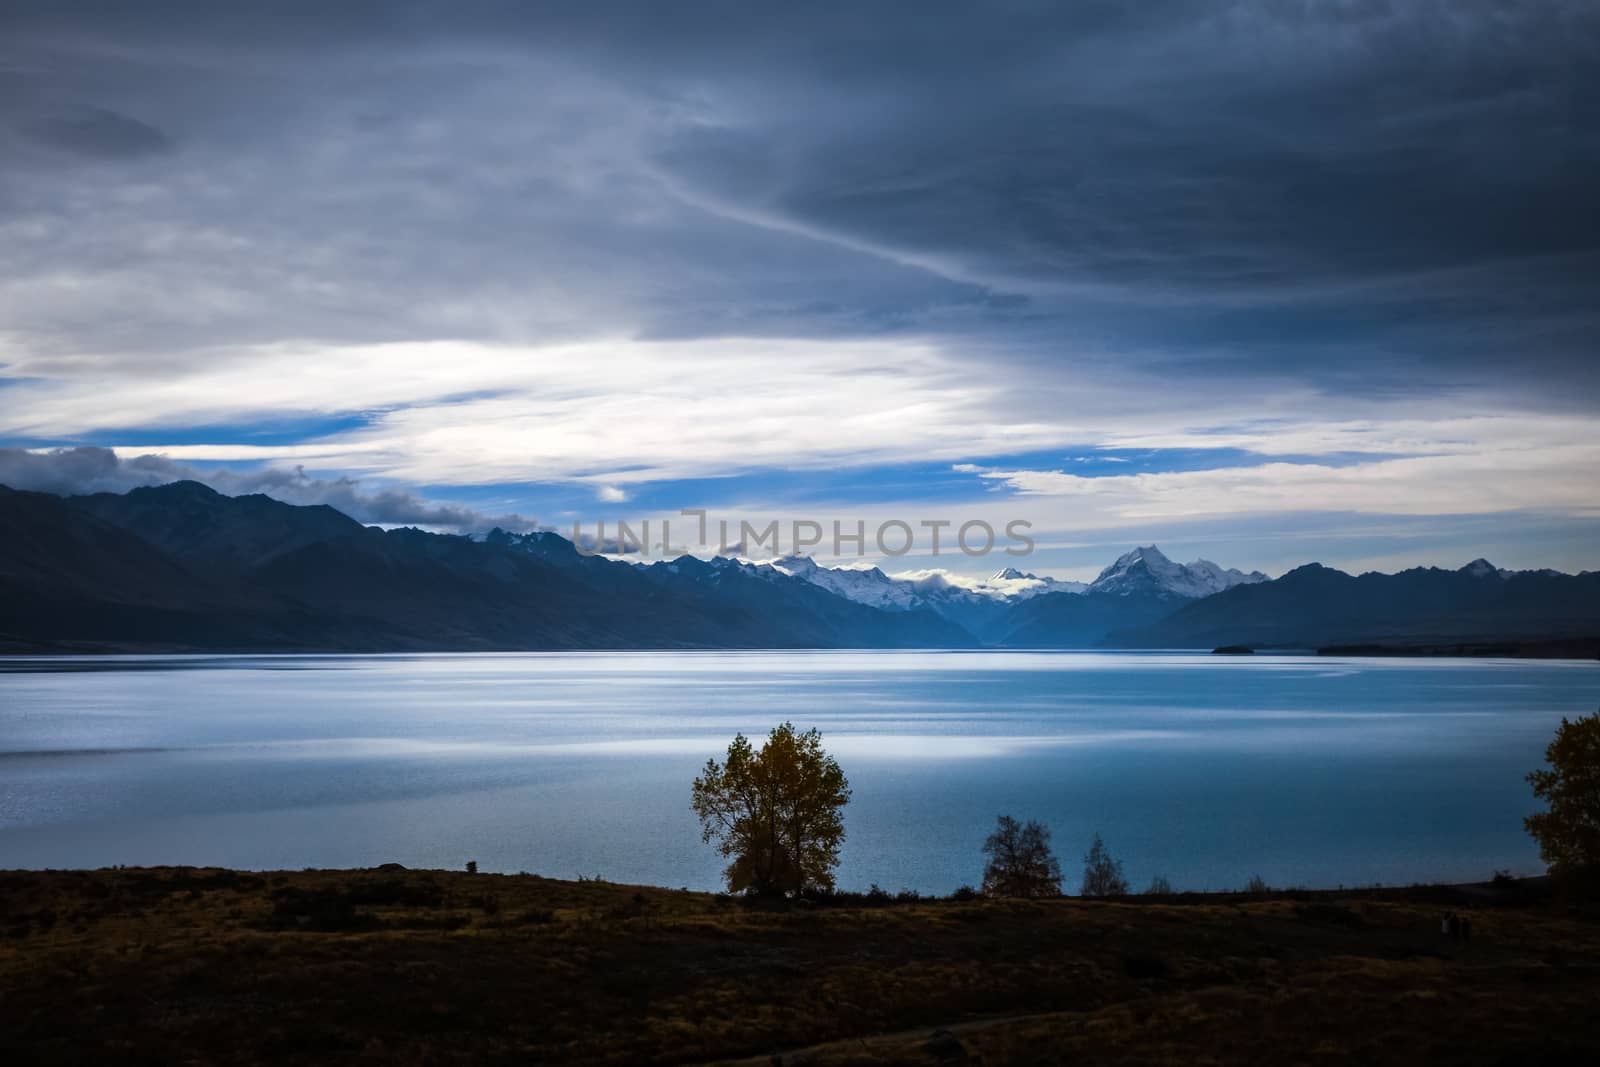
(181, 567)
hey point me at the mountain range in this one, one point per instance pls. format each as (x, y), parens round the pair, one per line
(181, 567)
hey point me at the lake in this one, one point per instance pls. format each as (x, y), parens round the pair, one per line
(1304, 770)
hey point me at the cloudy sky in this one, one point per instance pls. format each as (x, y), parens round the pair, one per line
(1264, 282)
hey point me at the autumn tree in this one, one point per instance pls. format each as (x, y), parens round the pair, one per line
(1020, 861)
(1102, 875)
(1569, 833)
(776, 814)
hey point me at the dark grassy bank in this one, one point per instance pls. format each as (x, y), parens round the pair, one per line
(394, 966)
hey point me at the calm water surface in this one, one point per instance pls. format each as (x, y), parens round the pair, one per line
(1305, 770)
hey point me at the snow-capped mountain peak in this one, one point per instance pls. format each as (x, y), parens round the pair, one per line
(1482, 568)
(1147, 570)
(1149, 553)
(1012, 584)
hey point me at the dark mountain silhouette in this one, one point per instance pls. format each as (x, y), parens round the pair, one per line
(183, 567)
(69, 579)
(1314, 606)
(186, 520)
(1080, 620)
(754, 596)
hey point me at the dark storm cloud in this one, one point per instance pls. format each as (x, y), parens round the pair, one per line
(101, 134)
(1365, 197)
(1411, 174)
(76, 471)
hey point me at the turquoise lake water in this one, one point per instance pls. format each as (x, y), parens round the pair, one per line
(1304, 770)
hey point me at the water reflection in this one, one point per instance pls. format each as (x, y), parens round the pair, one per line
(1208, 769)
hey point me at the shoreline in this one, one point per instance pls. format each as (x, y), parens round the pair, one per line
(1523, 887)
(1574, 652)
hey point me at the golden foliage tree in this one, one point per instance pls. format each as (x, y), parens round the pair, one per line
(1569, 833)
(775, 814)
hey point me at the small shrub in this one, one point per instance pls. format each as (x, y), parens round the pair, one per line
(1257, 886)
(875, 897)
(965, 894)
(1159, 887)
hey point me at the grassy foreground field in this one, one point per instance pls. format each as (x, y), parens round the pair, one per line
(393, 966)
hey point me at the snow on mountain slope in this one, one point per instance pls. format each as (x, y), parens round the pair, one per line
(1012, 584)
(864, 585)
(1147, 570)
(1482, 568)
(936, 589)
(971, 600)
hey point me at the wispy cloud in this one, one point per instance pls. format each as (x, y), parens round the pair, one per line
(1468, 480)
(462, 413)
